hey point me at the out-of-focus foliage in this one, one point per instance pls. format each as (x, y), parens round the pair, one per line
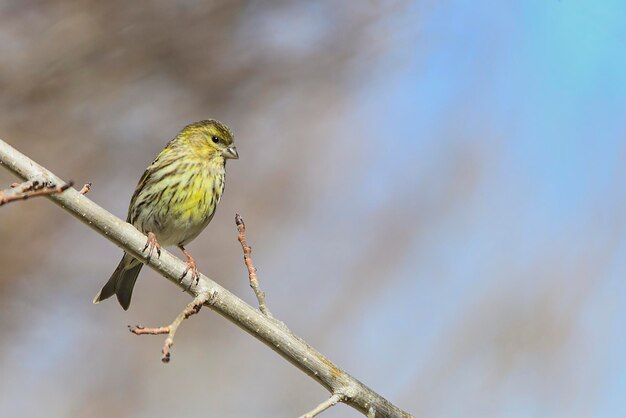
(433, 192)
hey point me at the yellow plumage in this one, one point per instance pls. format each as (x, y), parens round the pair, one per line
(176, 197)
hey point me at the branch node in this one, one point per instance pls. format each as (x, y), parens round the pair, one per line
(211, 298)
(328, 403)
(86, 188)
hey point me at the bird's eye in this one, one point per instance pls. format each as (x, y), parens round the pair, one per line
(215, 140)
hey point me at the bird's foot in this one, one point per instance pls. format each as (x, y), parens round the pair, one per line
(151, 245)
(191, 267)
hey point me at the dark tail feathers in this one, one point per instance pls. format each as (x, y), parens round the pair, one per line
(121, 282)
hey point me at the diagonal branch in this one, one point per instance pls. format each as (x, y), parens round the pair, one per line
(265, 329)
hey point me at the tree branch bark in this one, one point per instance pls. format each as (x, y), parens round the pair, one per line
(267, 330)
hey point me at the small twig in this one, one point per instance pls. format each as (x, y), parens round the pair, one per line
(191, 309)
(333, 400)
(30, 189)
(254, 281)
(371, 413)
(85, 188)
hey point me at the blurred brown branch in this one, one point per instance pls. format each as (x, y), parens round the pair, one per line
(266, 329)
(30, 189)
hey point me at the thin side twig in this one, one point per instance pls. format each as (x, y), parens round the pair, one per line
(330, 402)
(30, 189)
(254, 281)
(191, 309)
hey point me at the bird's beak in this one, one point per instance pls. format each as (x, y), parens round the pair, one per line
(230, 152)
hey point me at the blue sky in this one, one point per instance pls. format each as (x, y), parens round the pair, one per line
(540, 86)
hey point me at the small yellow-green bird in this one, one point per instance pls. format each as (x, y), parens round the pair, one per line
(175, 199)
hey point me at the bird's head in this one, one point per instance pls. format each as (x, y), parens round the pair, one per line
(209, 138)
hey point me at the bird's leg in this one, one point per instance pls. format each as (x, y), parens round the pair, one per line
(152, 244)
(191, 265)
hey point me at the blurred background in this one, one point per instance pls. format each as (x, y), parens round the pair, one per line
(433, 190)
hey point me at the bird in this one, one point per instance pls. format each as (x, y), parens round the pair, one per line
(175, 199)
